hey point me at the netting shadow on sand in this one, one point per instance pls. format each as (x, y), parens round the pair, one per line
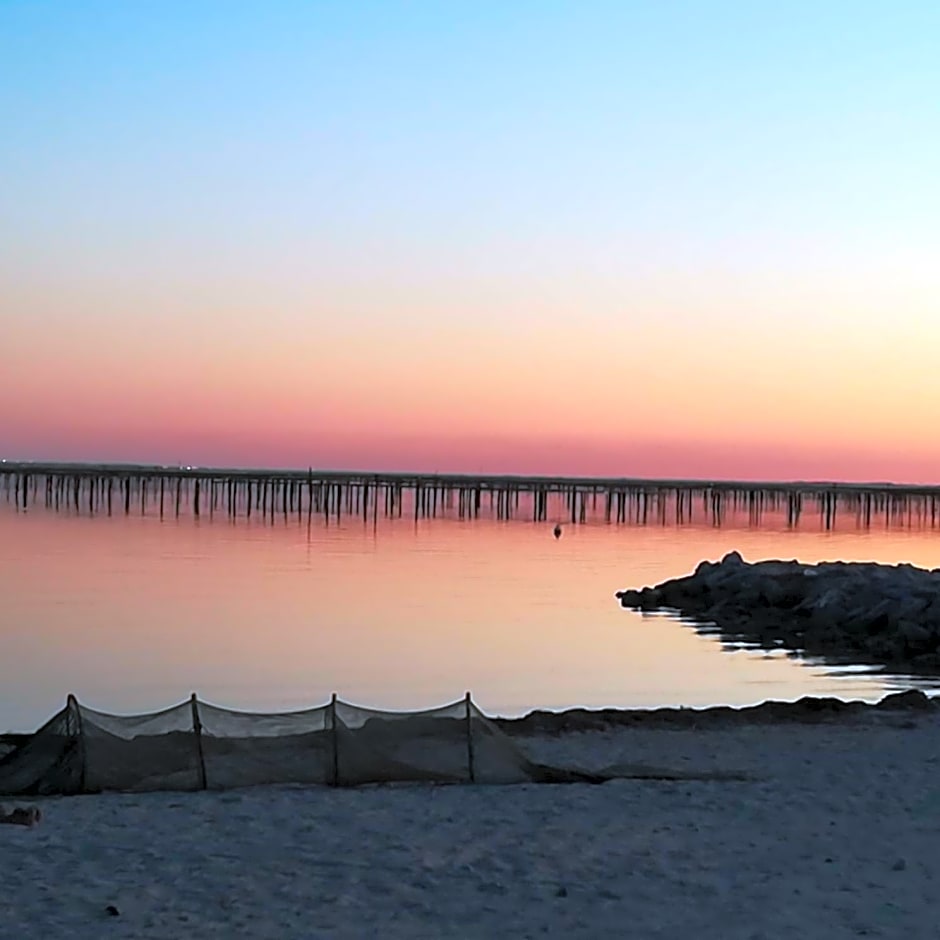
(198, 746)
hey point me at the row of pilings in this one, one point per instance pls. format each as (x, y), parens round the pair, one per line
(86, 489)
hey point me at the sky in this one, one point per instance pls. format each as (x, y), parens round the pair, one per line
(681, 239)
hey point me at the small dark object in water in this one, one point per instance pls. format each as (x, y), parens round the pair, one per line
(112, 910)
(557, 530)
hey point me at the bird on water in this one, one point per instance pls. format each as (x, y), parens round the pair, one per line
(557, 530)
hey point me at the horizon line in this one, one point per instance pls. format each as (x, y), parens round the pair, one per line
(410, 476)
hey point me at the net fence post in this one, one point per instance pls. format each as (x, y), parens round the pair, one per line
(79, 733)
(334, 737)
(197, 731)
(471, 770)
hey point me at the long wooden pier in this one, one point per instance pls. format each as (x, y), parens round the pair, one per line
(269, 495)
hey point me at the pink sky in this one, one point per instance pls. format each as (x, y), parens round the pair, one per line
(341, 237)
(708, 400)
(474, 453)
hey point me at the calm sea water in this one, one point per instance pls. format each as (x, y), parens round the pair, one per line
(133, 613)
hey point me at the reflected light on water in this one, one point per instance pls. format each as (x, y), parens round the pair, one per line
(131, 613)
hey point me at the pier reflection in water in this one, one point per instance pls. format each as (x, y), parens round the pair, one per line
(271, 494)
(387, 604)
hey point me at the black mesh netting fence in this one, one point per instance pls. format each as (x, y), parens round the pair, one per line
(196, 746)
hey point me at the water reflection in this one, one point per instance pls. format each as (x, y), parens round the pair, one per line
(133, 613)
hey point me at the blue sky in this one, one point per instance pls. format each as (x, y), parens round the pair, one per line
(677, 129)
(724, 172)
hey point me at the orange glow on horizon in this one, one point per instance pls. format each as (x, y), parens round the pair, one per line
(621, 401)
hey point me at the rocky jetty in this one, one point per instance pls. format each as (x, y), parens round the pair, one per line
(848, 611)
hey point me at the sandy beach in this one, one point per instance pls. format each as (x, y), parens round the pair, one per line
(834, 834)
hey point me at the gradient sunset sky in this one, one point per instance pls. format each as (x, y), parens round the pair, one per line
(682, 239)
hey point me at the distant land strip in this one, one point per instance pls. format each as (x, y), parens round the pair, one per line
(485, 480)
(268, 493)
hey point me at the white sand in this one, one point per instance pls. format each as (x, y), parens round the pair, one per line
(839, 837)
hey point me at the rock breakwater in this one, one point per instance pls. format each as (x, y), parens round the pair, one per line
(849, 611)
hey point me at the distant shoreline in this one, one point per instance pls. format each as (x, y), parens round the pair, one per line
(407, 478)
